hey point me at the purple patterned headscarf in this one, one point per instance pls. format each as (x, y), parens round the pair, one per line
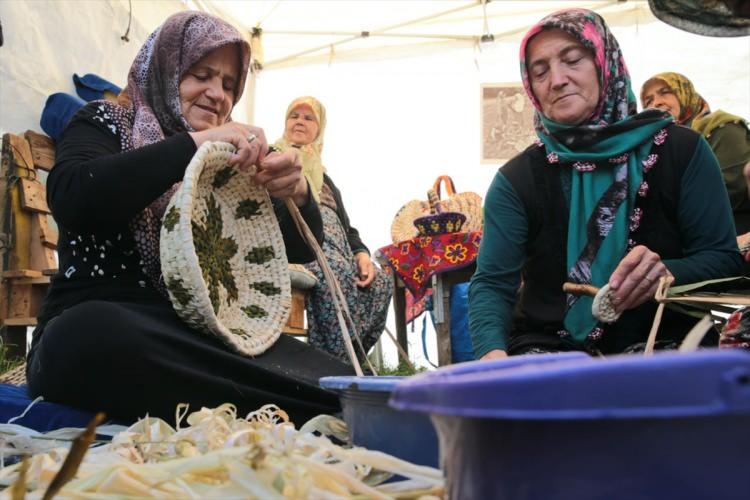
(150, 104)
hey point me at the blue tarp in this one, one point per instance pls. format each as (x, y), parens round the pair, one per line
(43, 416)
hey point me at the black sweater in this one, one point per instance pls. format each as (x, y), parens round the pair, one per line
(352, 234)
(96, 189)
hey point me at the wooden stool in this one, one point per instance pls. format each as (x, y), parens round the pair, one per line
(302, 281)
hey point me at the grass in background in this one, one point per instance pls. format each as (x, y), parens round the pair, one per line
(7, 363)
(402, 370)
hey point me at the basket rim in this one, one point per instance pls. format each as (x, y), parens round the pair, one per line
(199, 311)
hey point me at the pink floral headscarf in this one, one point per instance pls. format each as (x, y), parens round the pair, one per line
(616, 99)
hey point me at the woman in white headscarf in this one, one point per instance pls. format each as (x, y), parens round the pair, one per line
(367, 288)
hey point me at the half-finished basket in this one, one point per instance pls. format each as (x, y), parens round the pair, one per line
(223, 256)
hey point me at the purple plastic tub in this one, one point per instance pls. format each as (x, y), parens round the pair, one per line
(670, 426)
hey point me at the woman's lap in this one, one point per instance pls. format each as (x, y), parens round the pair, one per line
(128, 359)
(368, 306)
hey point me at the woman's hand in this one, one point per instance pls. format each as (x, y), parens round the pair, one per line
(494, 354)
(281, 175)
(250, 142)
(636, 278)
(366, 269)
(743, 242)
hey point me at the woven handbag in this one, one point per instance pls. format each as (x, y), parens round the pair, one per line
(222, 254)
(468, 203)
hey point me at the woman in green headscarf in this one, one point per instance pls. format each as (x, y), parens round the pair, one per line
(727, 134)
(605, 197)
(367, 288)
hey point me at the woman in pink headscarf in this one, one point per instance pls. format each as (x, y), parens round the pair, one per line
(108, 338)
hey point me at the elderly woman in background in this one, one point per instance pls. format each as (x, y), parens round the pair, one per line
(367, 288)
(606, 196)
(108, 338)
(727, 134)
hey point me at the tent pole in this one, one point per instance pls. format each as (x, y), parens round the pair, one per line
(250, 105)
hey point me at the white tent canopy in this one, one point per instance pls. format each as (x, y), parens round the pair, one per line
(403, 103)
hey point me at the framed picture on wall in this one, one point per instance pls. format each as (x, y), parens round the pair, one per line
(507, 121)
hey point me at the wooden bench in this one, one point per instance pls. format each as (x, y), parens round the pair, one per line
(27, 239)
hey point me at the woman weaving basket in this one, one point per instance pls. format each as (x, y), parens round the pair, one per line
(367, 289)
(108, 338)
(606, 196)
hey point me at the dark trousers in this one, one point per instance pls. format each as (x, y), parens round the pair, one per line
(128, 359)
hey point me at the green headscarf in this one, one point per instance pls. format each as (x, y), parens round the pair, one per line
(607, 153)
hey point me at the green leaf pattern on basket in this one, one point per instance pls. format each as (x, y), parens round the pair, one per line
(223, 176)
(238, 331)
(266, 287)
(254, 311)
(214, 252)
(248, 209)
(172, 218)
(260, 255)
(179, 292)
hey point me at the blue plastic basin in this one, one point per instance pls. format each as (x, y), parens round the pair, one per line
(376, 426)
(669, 426)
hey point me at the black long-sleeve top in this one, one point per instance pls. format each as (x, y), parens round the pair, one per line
(352, 234)
(96, 189)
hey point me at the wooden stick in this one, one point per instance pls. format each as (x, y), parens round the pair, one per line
(338, 299)
(401, 351)
(740, 300)
(661, 292)
(693, 339)
(580, 289)
(651, 341)
(74, 458)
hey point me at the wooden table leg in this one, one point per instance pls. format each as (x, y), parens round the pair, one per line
(443, 328)
(442, 284)
(399, 309)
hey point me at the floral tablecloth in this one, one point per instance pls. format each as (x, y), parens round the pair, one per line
(415, 261)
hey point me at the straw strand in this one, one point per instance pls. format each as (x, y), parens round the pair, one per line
(338, 299)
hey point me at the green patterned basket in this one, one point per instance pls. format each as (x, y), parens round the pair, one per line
(223, 256)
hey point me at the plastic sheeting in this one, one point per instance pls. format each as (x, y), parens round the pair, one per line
(47, 41)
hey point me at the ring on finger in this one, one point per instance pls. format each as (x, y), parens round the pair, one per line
(251, 138)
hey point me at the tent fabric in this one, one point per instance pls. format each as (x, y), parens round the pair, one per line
(355, 31)
(703, 17)
(47, 41)
(52, 39)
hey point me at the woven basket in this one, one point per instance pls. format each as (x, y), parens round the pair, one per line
(402, 227)
(14, 376)
(444, 222)
(467, 203)
(223, 256)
